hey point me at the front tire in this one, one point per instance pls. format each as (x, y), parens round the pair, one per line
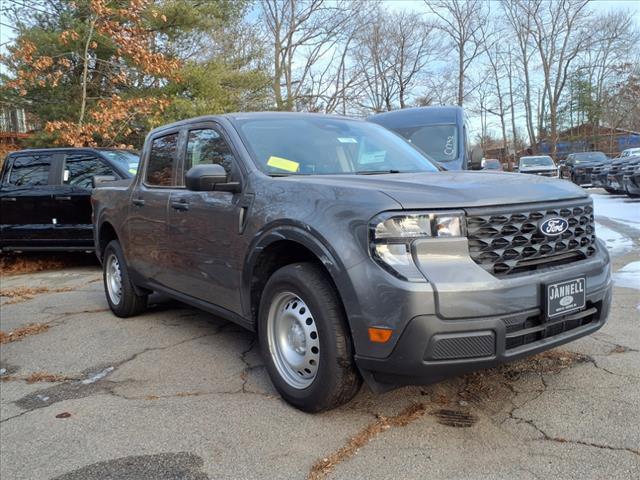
(120, 292)
(305, 340)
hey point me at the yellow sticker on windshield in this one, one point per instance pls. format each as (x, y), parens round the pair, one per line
(133, 170)
(283, 164)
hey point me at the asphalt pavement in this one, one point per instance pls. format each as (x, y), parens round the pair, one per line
(178, 394)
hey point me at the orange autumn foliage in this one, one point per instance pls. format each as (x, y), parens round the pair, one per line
(106, 117)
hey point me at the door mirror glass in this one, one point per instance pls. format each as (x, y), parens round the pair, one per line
(208, 177)
(476, 158)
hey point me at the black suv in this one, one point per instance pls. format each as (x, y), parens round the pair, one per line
(578, 167)
(45, 195)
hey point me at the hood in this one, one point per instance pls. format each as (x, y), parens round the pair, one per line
(453, 189)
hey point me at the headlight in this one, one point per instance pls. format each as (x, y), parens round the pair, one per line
(580, 170)
(391, 236)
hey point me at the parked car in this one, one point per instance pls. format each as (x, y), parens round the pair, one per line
(491, 164)
(440, 132)
(45, 196)
(632, 180)
(538, 165)
(577, 167)
(615, 183)
(630, 152)
(349, 252)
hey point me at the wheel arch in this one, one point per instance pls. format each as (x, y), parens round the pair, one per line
(283, 246)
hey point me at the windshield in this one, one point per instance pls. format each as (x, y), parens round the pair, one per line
(440, 142)
(630, 152)
(492, 164)
(585, 157)
(326, 145)
(127, 160)
(542, 161)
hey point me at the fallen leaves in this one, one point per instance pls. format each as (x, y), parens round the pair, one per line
(22, 332)
(323, 467)
(17, 264)
(37, 377)
(22, 294)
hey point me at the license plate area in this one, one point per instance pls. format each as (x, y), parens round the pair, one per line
(561, 298)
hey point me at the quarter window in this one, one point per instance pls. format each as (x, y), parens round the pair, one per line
(80, 169)
(207, 146)
(30, 171)
(162, 160)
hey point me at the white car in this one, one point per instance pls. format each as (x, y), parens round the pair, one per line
(630, 152)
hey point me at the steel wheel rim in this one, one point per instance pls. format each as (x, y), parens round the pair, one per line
(294, 344)
(113, 279)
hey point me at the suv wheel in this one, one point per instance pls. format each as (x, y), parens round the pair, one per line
(305, 340)
(121, 295)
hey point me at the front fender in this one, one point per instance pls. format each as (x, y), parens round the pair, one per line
(308, 238)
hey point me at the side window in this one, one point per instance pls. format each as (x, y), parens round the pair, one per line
(207, 146)
(30, 171)
(80, 169)
(162, 160)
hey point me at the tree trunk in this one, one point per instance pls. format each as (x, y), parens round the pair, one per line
(85, 71)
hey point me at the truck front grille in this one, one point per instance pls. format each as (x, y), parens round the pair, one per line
(509, 242)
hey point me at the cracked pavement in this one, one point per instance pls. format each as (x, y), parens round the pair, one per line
(178, 393)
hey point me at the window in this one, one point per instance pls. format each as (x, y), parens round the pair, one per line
(79, 170)
(328, 145)
(126, 159)
(30, 171)
(162, 160)
(207, 146)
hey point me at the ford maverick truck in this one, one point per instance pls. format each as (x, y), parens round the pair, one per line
(350, 254)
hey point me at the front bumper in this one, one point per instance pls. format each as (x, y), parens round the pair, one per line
(480, 321)
(432, 349)
(583, 178)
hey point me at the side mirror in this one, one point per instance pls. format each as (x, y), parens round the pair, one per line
(209, 177)
(476, 158)
(98, 179)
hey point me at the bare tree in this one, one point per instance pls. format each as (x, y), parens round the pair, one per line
(300, 33)
(560, 34)
(392, 51)
(519, 15)
(462, 21)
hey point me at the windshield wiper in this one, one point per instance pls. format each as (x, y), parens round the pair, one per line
(376, 172)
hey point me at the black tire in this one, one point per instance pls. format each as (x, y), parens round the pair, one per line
(337, 379)
(129, 303)
(610, 191)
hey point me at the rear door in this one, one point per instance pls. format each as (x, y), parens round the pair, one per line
(149, 250)
(73, 196)
(26, 200)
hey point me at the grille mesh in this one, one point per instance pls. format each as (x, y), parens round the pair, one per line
(508, 242)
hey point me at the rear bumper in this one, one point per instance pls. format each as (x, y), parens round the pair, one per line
(431, 349)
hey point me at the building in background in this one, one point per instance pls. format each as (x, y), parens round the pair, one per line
(15, 125)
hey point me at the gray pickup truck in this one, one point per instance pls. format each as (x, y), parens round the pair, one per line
(349, 252)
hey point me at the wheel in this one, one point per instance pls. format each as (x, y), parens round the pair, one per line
(121, 294)
(305, 340)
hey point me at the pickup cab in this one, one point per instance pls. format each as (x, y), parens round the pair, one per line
(45, 195)
(349, 252)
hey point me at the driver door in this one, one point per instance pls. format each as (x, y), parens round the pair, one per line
(205, 228)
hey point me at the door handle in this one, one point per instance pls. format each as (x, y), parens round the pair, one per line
(9, 199)
(63, 197)
(138, 202)
(181, 205)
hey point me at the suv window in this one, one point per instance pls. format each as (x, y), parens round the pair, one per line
(207, 146)
(30, 171)
(162, 159)
(80, 169)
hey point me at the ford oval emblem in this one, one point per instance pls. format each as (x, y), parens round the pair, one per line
(565, 301)
(554, 226)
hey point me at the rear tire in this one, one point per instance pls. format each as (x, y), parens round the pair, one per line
(119, 290)
(305, 340)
